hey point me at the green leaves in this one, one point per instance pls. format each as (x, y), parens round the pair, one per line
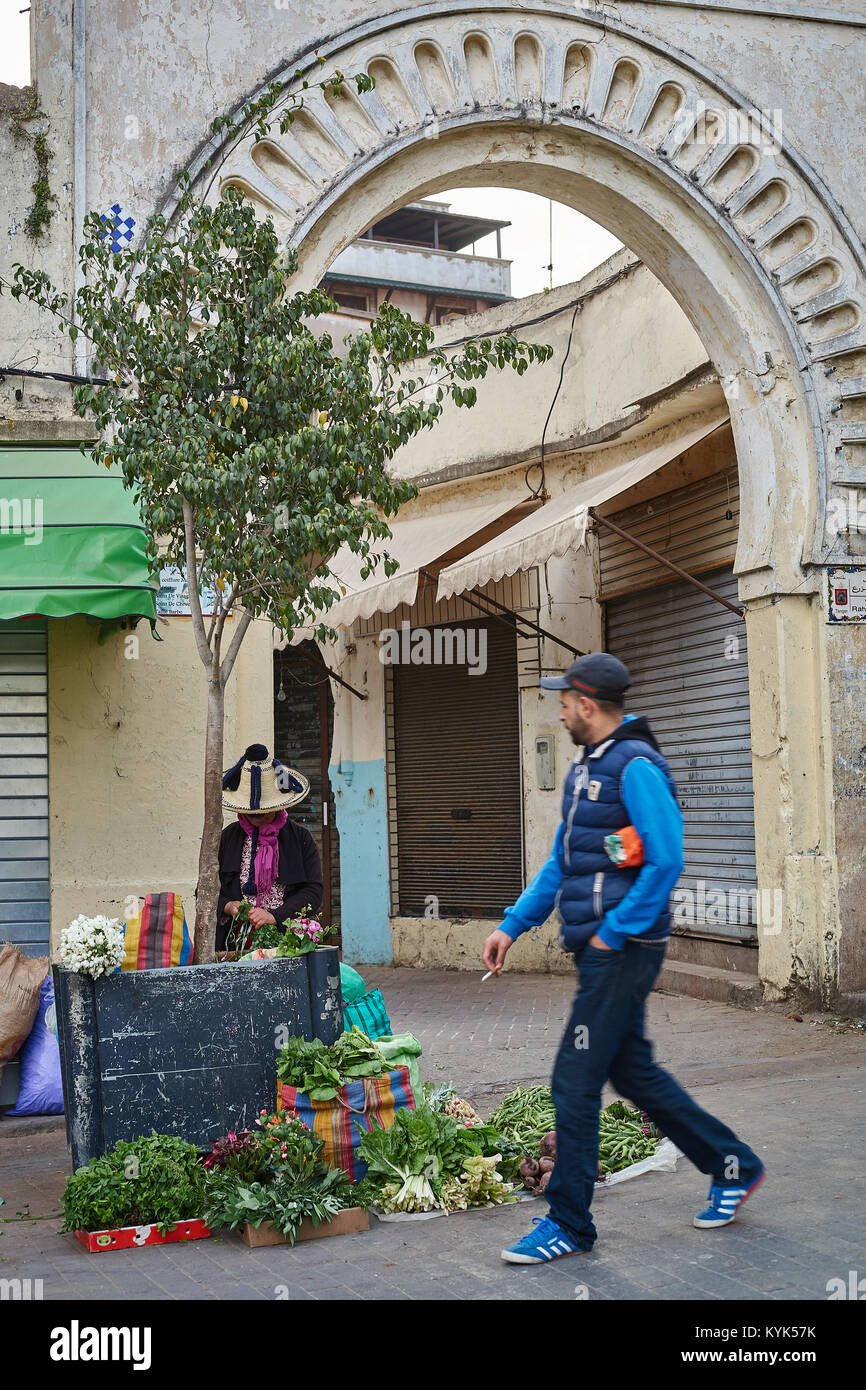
(155, 1180)
(427, 1159)
(322, 1071)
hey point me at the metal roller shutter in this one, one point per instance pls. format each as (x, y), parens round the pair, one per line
(456, 800)
(303, 732)
(687, 658)
(695, 527)
(24, 884)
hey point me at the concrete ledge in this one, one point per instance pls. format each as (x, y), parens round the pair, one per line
(711, 982)
(11, 1126)
(453, 943)
(704, 950)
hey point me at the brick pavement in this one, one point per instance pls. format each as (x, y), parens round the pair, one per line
(795, 1092)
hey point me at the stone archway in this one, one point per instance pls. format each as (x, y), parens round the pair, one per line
(691, 176)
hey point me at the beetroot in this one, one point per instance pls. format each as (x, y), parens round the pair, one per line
(545, 1179)
(529, 1168)
(547, 1147)
(547, 1165)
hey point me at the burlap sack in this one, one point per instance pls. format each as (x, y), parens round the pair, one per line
(20, 981)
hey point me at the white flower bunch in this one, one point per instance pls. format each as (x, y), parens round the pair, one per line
(92, 945)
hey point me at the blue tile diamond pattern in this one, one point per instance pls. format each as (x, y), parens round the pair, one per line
(118, 227)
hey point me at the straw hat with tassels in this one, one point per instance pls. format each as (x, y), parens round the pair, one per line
(258, 784)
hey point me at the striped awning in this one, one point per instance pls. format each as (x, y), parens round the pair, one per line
(414, 543)
(560, 525)
(71, 538)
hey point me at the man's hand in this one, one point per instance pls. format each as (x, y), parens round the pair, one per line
(260, 918)
(600, 945)
(494, 951)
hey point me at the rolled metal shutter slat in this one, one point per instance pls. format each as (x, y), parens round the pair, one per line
(457, 748)
(697, 702)
(24, 855)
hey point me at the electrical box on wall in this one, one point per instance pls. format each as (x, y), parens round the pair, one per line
(545, 763)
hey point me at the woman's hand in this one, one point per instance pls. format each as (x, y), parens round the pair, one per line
(231, 909)
(260, 918)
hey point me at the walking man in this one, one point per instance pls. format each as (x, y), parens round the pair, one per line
(616, 921)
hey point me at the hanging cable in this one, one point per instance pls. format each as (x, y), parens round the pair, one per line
(541, 489)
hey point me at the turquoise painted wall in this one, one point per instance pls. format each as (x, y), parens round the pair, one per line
(362, 820)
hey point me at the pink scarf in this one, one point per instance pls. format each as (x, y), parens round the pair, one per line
(268, 851)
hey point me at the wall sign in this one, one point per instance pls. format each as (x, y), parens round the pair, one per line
(846, 594)
(172, 600)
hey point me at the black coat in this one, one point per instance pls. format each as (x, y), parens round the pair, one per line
(299, 869)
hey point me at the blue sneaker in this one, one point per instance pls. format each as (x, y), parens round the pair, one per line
(548, 1242)
(725, 1202)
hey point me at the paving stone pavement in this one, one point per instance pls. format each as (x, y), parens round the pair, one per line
(793, 1090)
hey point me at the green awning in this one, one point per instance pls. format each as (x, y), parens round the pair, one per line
(71, 538)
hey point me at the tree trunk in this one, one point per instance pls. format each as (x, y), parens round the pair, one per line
(207, 891)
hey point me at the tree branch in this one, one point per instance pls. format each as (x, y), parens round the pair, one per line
(225, 605)
(231, 655)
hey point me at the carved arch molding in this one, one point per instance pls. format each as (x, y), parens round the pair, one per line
(443, 69)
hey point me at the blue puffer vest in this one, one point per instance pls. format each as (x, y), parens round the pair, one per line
(592, 807)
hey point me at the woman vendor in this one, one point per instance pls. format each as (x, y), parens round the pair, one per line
(264, 857)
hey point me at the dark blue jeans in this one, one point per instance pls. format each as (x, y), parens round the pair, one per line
(605, 1040)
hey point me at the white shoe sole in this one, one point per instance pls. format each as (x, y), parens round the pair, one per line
(512, 1258)
(708, 1225)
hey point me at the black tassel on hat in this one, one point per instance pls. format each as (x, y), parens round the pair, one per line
(256, 753)
(284, 777)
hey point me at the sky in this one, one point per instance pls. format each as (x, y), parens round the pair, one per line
(14, 43)
(578, 244)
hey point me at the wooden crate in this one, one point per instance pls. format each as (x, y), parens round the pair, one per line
(348, 1222)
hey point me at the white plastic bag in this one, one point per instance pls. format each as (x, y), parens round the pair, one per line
(664, 1160)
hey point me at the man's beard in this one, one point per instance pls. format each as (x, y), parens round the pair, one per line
(578, 738)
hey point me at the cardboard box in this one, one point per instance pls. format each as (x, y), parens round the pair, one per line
(348, 1222)
(125, 1237)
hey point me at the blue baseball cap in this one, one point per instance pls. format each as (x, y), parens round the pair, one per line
(598, 675)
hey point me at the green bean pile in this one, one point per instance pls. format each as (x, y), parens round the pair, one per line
(525, 1116)
(625, 1137)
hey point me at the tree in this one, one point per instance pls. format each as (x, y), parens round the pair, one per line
(253, 449)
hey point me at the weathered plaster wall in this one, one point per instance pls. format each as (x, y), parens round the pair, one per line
(813, 75)
(125, 760)
(630, 340)
(208, 58)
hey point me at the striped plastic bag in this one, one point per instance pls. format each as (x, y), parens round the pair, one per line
(343, 1121)
(369, 1013)
(158, 936)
